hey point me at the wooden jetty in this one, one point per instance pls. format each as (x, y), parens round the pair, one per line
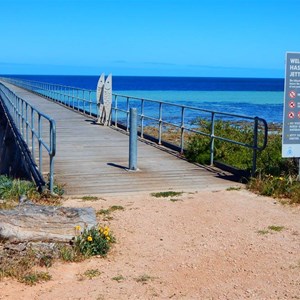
(92, 159)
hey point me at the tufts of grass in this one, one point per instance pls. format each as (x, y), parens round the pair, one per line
(89, 198)
(174, 200)
(92, 273)
(276, 228)
(262, 232)
(12, 189)
(272, 228)
(107, 212)
(118, 278)
(35, 277)
(233, 188)
(283, 187)
(166, 194)
(144, 278)
(69, 253)
(20, 266)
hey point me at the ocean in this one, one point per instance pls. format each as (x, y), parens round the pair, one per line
(261, 97)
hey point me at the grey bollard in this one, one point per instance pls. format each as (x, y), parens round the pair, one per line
(133, 139)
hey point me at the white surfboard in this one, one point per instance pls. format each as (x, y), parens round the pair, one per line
(99, 95)
(100, 87)
(107, 100)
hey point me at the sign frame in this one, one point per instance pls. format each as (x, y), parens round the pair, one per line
(291, 107)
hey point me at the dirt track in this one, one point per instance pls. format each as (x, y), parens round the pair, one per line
(206, 245)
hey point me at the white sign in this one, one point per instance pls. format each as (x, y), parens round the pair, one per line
(291, 112)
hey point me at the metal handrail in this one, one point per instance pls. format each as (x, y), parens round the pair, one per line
(75, 98)
(29, 122)
(185, 126)
(184, 117)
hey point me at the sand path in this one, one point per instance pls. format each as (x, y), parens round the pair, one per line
(207, 245)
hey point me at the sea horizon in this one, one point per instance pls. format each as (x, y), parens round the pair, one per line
(262, 97)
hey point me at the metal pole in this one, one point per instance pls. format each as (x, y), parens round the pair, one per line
(160, 123)
(133, 140)
(298, 169)
(212, 139)
(182, 131)
(255, 141)
(128, 113)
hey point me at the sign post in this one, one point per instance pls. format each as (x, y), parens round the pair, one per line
(291, 112)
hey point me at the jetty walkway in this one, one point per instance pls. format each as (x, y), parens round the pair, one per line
(92, 159)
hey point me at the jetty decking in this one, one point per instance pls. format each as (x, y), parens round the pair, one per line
(92, 159)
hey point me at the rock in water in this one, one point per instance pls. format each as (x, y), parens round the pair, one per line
(38, 223)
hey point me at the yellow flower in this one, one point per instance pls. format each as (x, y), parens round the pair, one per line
(106, 228)
(108, 238)
(89, 238)
(77, 227)
(281, 178)
(105, 233)
(101, 230)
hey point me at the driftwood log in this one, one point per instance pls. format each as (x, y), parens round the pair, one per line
(36, 223)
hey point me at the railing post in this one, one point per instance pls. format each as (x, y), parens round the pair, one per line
(116, 111)
(255, 137)
(26, 122)
(52, 154)
(133, 140)
(40, 144)
(182, 131)
(127, 123)
(212, 139)
(142, 118)
(160, 123)
(32, 134)
(90, 103)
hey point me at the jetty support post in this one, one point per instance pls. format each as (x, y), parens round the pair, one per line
(133, 140)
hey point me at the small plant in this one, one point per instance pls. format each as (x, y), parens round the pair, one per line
(12, 189)
(272, 227)
(233, 188)
(166, 194)
(36, 277)
(58, 188)
(91, 273)
(174, 200)
(89, 198)
(93, 241)
(276, 228)
(69, 253)
(106, 212)
(285, 187)
(262, 232)
(118, 278)
(144, 278)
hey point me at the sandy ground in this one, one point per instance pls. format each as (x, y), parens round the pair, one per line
(207, 245)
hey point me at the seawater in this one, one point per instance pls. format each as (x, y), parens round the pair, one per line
(262, 97)
(264, 104)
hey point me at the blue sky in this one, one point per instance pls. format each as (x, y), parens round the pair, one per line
(231, 38)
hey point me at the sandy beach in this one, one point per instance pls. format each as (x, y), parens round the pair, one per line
(201, 245)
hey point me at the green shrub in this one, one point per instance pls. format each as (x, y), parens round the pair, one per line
(286, 187)
(198, 149)
(275, 176)
(12, 189)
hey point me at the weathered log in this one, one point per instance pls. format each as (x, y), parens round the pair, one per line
(37, 223)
